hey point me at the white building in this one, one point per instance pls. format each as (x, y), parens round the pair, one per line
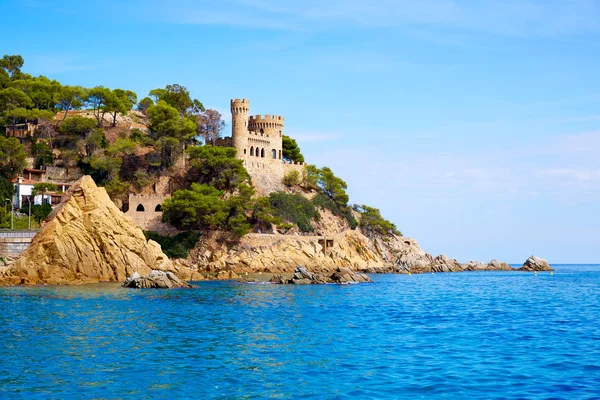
(24, 188)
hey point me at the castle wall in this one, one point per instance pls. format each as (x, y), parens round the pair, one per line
(258, 141)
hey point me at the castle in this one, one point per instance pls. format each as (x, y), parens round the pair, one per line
(258, 141)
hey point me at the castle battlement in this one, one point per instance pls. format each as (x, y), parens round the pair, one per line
(258, 141)
(240, 106)
(267, 121)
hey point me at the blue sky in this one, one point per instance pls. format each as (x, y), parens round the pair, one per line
(473, 125)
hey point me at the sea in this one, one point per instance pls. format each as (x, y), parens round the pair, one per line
(471, 335)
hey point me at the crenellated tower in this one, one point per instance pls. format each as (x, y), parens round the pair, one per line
(267, 128)
(258, 141)
(239, 124)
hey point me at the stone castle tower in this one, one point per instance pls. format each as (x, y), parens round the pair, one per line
(258, 141)
(257, 138)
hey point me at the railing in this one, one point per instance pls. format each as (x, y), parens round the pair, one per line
(7, 233)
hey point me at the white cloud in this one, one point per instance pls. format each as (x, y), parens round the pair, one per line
(507, 17)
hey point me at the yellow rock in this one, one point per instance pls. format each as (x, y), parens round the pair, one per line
(87, 239)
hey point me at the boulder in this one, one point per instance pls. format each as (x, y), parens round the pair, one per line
(474, 266)
(444, 264)
(534, 263)
(155, 280)
(304, 277)
(226, 275)
(496, 265)
(86, 239)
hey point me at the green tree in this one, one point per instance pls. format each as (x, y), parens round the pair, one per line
(262, 214)
(12, 65)
(310, 177)
(144, 104)
(216, 166)
(40, 212)
(95, 141)
(42, 153)
(100, 100)
(372, 221)
(294, 208)
(12, 157)
(199, 208)
(11, 98)
(291, 151)
(42, 188)
(77, 126)
(69, 98)
(121, 101)
(169, 129)
(178, 96)
(333, 187)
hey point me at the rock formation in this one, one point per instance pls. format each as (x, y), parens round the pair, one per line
(303, 276)
(86, 239)
(155, 280)
(534, 263)
(216, 253)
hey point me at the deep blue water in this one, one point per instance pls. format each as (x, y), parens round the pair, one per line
(463, 335)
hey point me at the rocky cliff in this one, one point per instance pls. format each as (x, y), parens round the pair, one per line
(86, 239)
(323, 254)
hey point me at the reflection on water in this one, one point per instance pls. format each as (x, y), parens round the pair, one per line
(468, 335)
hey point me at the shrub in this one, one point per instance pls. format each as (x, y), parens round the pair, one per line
(294, 208)
(292, 178)
(177, 246)
(321, 200)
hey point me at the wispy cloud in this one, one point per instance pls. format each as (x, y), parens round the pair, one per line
(508, 17)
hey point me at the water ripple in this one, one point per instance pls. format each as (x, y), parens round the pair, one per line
(469, 335)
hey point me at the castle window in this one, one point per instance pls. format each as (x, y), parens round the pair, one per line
(158, 208)
(252, 150)
(140, 208)
(280, 154)
(274, 153)
(244, 151)
(262, 131)
(279, 133)
(262, 153)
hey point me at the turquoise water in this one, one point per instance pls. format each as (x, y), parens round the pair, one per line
(464, 335)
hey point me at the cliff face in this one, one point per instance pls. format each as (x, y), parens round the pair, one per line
(86, 239)
(282, 254)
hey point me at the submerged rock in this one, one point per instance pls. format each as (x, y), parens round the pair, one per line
(86, 239)
(534, 263)
(155, 280)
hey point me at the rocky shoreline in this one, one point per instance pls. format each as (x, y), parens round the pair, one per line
(87, 239)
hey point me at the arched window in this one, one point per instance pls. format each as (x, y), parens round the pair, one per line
(274, 153)
(262, 153)
(158, 208)
(262, 131)
(140, 208)
(252, 150)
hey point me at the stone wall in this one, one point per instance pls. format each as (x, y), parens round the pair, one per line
(146, 212)
(13, 243)
(59, 174)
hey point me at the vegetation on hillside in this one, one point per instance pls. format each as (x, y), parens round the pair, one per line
(170, 133)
